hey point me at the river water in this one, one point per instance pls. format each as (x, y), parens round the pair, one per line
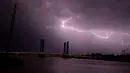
(33, 64)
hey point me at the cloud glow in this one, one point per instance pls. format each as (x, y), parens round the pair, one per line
(64, 22)
(67, 24)
(102, 34)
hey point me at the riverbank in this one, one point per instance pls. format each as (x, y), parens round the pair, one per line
(97, 56)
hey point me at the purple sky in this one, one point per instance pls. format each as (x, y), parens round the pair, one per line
(36, 19)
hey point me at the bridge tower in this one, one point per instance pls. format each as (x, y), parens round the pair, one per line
(42, 45)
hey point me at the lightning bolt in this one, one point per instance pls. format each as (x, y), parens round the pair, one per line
(64, 22)
(103, 37)
(64, 25)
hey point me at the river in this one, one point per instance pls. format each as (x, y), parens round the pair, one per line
(33, 64)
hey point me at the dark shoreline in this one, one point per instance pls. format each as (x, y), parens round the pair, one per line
(13, 58)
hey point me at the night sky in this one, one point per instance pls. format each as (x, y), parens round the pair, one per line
(86, 30)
